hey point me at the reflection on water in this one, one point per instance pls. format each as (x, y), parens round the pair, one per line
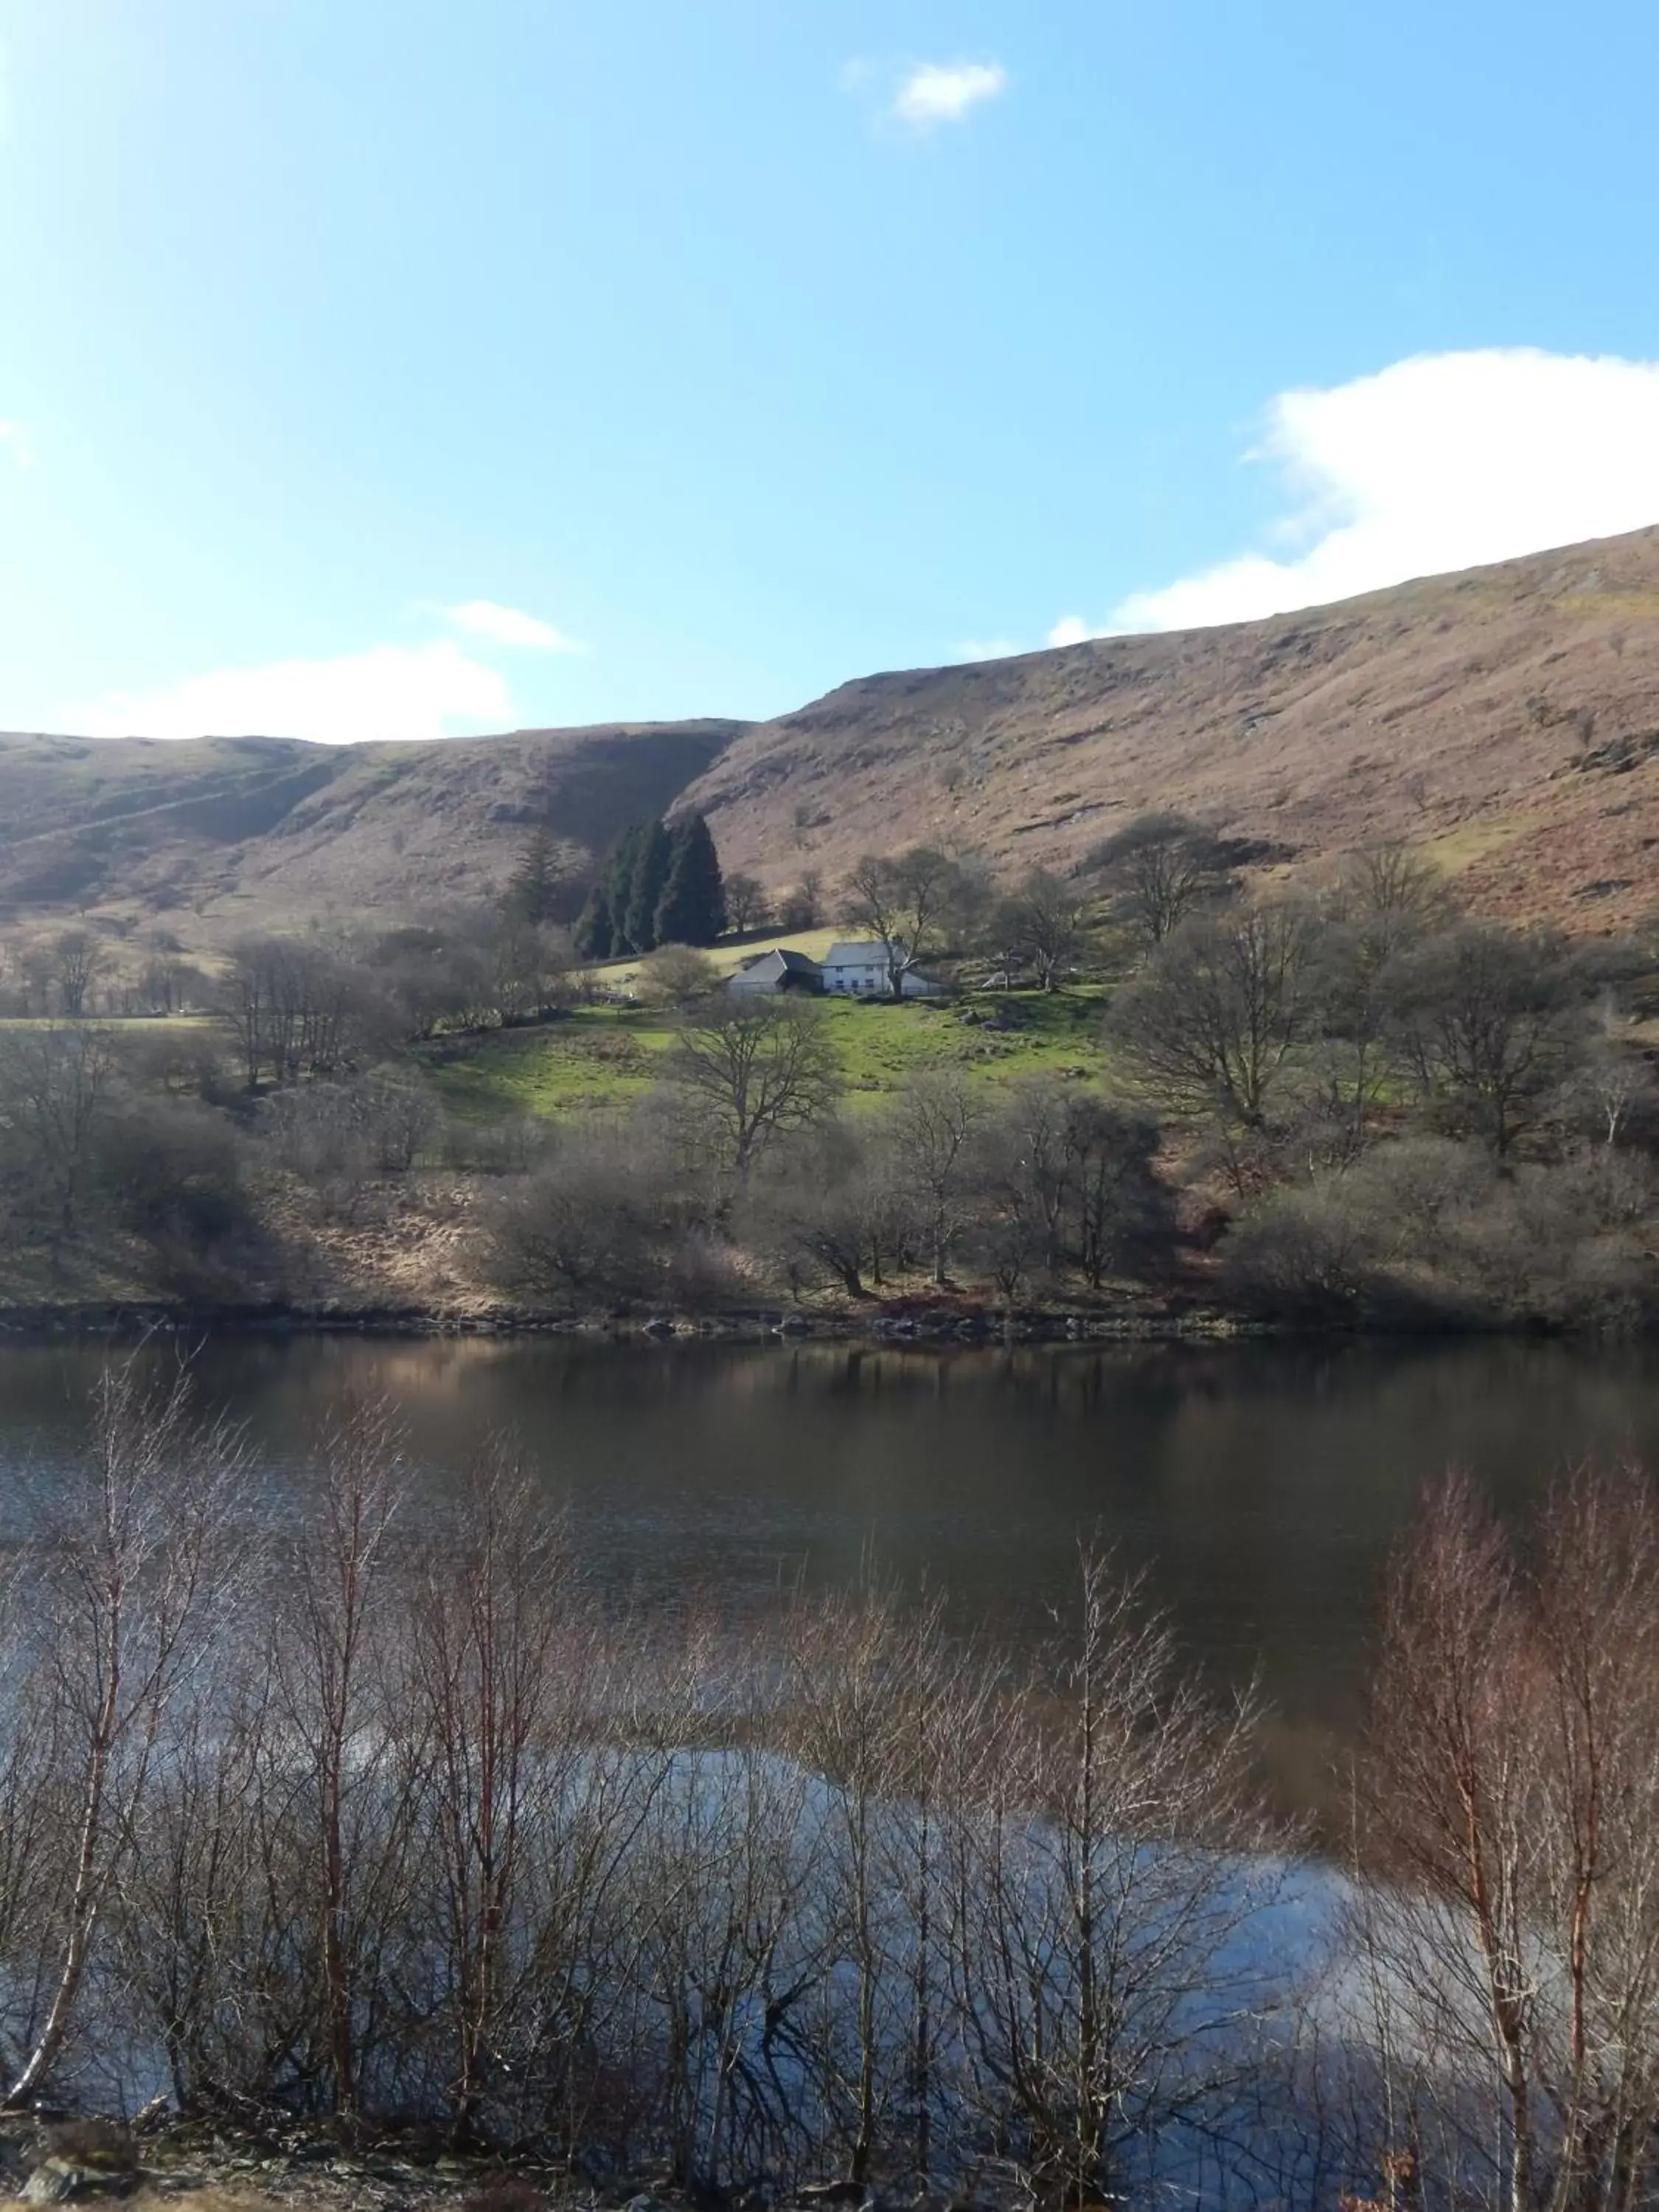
(1260, 1486)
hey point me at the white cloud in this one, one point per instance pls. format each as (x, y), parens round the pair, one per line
(1071, 629)
(987, 649)
(13, 441)
(1440, 462)
(389, 691)
(946, 92)
(509, 626)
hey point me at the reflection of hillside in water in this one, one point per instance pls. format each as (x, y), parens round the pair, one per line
(1260, 1485)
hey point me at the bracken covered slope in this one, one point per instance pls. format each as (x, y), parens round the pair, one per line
(214, 835)
(1507, 718)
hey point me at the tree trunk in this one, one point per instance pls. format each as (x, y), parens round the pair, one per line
(84, 1920)
(88, 1894)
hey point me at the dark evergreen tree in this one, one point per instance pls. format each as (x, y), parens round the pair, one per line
(692, 908)
(647, 880)
(617, 882)
(533, 890)
(595, 933)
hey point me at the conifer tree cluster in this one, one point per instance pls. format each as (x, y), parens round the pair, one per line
(659, 886)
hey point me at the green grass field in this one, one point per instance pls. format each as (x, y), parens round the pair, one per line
(599, 1058)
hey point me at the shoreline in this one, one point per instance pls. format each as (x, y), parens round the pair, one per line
(962, 1323)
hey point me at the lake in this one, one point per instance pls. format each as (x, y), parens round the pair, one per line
(1260, 1486)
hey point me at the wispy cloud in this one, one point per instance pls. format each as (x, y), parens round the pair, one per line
(946, 92)
(1443, 461)
(510, 626)
(988, 648)
(389, 691)
(14, 443)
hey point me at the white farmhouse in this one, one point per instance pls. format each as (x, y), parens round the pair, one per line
(859, 972)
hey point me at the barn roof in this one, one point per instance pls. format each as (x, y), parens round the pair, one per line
(782, 959)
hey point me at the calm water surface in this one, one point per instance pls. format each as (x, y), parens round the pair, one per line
(1260, 1486)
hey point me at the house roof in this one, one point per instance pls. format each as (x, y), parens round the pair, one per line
(870, 955)
(782, 959)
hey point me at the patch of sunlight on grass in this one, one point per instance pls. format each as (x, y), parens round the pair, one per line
(601, 1058)
(1457, 849)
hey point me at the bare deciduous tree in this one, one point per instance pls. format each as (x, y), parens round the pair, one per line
(332, 1668)
(418, 1827)
(296, 1009)
(1492, 1021)
(904, 903)
(56, 1089)
(1161, 868)
(1209, 1027)
(1392, 897)
(493, 1599)
(836, 1204)
(933, 1126)
(752, 1073)
(1097, 1965)
(78, 960)
(528, 961)
(134, 1572)
(1050, 922)
(746, 903)
(1512, 1801)
(803, 907)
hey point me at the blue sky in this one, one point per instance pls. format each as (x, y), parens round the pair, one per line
(388, 367)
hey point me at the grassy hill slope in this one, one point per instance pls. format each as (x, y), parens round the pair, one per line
(1508, 718)
(213, 835)
(599, 1059)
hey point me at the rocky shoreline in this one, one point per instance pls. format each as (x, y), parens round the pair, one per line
(77, 2160)
(201, 2165)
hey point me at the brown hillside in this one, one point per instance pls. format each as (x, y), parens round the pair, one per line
(1508, 716)
(213, 835)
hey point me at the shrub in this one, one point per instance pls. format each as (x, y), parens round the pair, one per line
(591, 1226)
(1304, 1253)
(677, 975)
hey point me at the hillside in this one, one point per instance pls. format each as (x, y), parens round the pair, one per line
(1508, 717)
(213, 835)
